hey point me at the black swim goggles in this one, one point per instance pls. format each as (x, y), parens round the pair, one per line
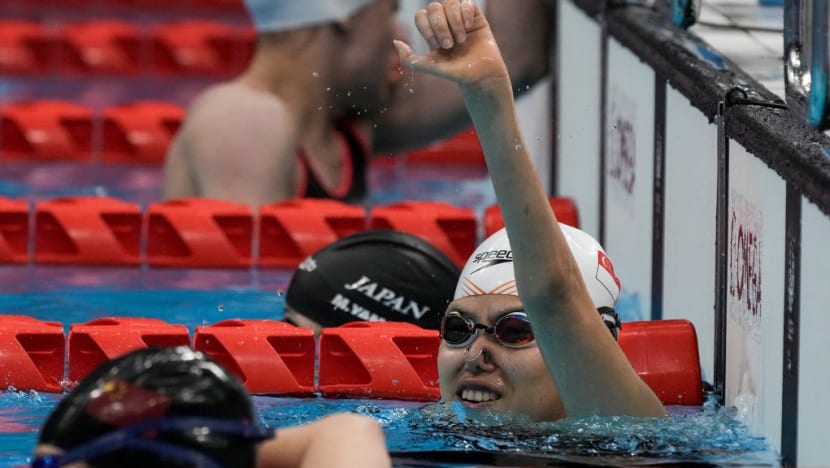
(511, 330)
(134, 437)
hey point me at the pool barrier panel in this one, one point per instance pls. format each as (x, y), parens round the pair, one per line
(699, 170)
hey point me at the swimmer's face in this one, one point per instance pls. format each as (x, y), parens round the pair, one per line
(492, 377)
(369, 56)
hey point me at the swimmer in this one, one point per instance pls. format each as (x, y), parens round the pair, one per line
(373, 275)
(528, 331)
(175, 407)
(322, 94)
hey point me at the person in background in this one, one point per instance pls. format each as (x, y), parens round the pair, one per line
(527, 333)
(321, 95)
(373, 275)
(176, 407)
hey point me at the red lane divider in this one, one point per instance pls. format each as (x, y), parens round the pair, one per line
(390, 360)
(462, 149)
(292, 230)
(201, 47)
(88, 230)
(665, 355)
(451, 229)
(104, 46)
(199, 232)
(46, 131)
(31, 354)
(393, 360)
(95, 342)
(563, 207)
(14, 231)
(139, 132)
(269, 356)
(24, 47)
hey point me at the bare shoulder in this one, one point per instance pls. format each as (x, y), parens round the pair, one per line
(233, 98)
(233, 116)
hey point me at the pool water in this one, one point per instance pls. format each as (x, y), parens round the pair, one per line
(418, 434)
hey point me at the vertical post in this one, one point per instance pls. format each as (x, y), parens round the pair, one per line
(721, 253)
(792, 306)
(554, 103)
(603, 114)
(658, 210)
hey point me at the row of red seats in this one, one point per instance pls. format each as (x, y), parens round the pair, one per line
(119, 47)
(64, 131)
(362, 359)
(198, 232)
(140, 132)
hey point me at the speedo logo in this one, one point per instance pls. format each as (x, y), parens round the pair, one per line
(491, 257)
(506, 255)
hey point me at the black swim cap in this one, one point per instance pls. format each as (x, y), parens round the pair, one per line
(149, 384)
(374, 275)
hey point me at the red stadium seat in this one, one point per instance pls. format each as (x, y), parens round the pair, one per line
(461, 149)
(394, 360)
(32, 354)
(139, 132)
(105, 46)
(564, 208)
(199, 232)
(269, 356)
(292, 230)
(14, 231)
(46, 130)
(93, 343)
(665, 355)
(88, 231)
(201, 47)
(451, 229)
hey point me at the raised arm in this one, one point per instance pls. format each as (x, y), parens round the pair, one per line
(429, 108)
(592, 374)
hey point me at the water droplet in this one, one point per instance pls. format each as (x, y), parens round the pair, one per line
(220, 307)
(411, 91)
(315, 74)
(328, 89)
(319, 108)
(348, 94)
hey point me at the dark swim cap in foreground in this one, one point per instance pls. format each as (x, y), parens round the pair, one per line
(157, 407)
(374, 275)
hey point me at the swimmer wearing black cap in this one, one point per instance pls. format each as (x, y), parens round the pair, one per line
(175, 407)
(374, 275)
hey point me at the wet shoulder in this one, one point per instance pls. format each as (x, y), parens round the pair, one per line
(235, 97)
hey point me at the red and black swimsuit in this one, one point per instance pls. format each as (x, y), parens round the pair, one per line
(353, 185)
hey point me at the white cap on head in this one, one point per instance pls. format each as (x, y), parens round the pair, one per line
(489, 270)
(281, 15)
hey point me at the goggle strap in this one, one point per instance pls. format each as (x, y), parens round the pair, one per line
(129, 437)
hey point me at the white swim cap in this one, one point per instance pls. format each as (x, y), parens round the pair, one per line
(489, 270)
(281, 15)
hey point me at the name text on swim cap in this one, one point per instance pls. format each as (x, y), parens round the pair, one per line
(344, 304)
